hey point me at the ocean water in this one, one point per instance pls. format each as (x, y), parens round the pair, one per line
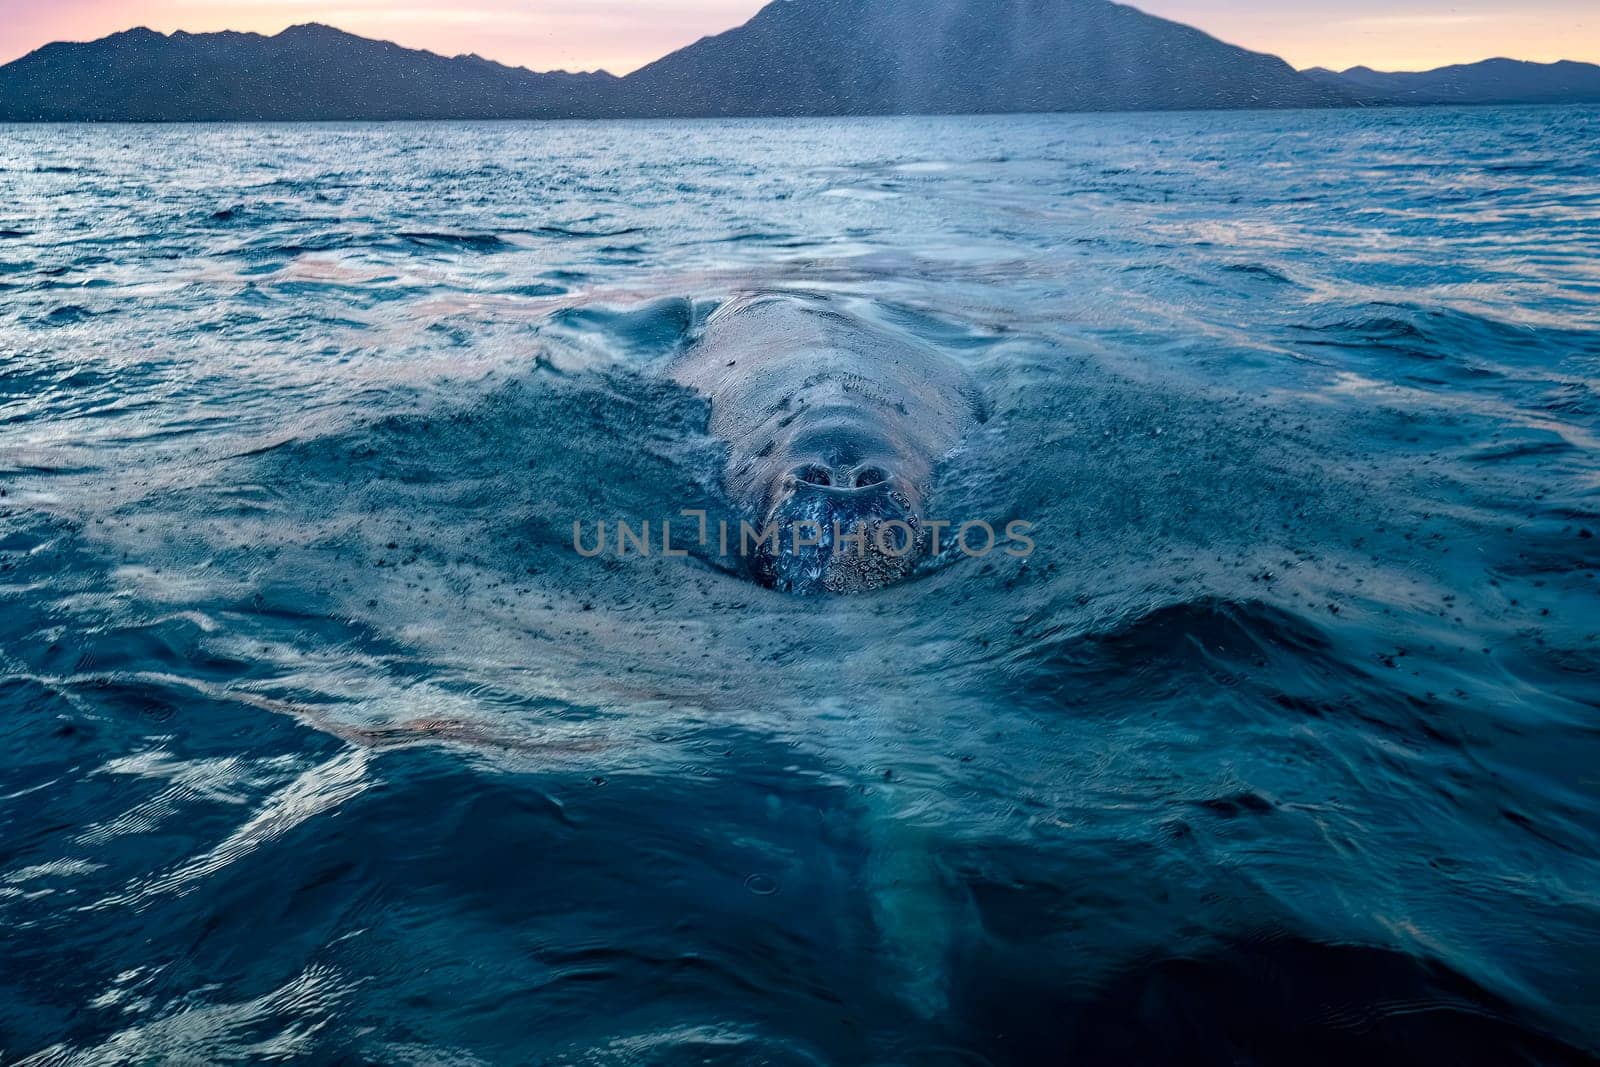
(321, 743)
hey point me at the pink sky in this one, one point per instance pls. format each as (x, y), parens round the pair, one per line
(620, 35)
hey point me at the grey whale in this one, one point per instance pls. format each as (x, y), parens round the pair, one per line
(834, 428)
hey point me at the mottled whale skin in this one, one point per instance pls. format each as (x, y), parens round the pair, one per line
(829, 422)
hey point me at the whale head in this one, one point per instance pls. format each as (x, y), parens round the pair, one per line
(833, 530)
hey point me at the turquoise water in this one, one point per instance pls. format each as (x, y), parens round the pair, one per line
(322, 743)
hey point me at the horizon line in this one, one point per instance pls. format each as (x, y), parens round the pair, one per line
(313, 24)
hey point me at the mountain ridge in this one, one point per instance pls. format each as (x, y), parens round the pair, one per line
(305, 72)
(793, 57)
(1489, 81)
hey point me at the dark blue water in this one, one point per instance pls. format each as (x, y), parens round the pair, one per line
(321, 743)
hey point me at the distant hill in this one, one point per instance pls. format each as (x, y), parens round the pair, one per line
(829, 57)
(305, 72)
(1494, 81)
(795, 57)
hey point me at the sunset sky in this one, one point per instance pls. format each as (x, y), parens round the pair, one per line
(620, 35)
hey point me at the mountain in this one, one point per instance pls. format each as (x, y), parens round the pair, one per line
(1494, 81)
(795, 57)
(305, 72)
(853, 57)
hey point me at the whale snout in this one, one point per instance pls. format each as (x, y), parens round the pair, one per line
(840, 531)
(820, 475)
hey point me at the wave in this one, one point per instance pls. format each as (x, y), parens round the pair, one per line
(1221, 641)
(1259, 270)
(1266, 1000)
(1464, 339)
(580, 233)
(476, 242)
(72, 315)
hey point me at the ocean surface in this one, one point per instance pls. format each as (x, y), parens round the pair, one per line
(319, 741)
